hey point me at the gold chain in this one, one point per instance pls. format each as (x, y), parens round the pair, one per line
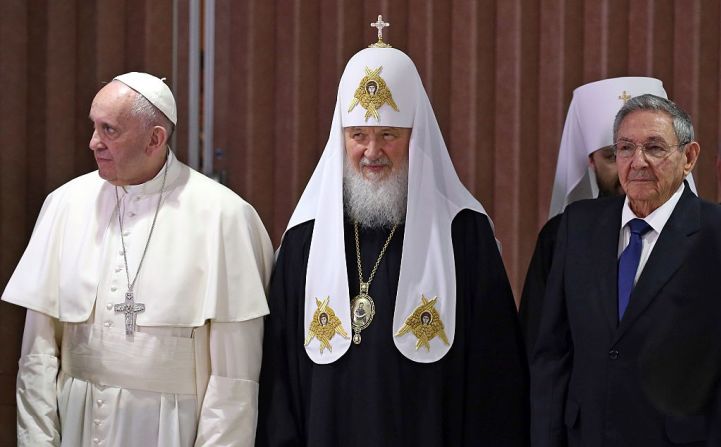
(380, 256)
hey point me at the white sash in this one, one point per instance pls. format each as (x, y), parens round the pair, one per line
(146, 362)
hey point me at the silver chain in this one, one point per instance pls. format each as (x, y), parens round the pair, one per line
(150, 234)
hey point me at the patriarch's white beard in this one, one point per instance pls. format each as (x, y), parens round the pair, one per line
(375, 203)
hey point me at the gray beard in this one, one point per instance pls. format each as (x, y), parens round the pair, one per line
(373, 204)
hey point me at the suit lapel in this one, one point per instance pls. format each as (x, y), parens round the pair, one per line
(605, 248)
(667, 256)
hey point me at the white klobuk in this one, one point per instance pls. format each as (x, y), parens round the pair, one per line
(589, 127)
(435, 196)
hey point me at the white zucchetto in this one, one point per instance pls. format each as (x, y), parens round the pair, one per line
(154, 90)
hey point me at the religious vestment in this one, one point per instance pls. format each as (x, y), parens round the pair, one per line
(529, 312)
(588, 129)
(476, 395)
(188, 374)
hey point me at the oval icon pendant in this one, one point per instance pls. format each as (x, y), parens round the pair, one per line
(362, 311)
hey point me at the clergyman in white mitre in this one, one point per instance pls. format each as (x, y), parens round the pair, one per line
(144, 284)
(586, 169)
(389, 288)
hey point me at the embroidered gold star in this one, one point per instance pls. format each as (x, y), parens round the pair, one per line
(372, 93)
(424, 323)
(325, 325)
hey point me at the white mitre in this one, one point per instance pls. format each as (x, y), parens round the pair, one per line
(154, 90)
(435, 196)
(589, 127)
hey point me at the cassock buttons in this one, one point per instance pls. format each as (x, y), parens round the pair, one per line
(113, 289)
(99, 402)
(108, 323)
(109, 306)
(131, 214)
(613, 354)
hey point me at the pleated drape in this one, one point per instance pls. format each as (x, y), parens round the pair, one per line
(499, 74)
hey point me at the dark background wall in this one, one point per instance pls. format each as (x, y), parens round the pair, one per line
(499, 74)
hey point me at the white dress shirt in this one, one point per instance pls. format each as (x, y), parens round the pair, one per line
(657, 220)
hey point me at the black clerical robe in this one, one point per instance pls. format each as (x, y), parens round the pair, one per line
(476, 395)
(534, 287)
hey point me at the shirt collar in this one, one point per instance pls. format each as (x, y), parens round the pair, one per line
(658, 218)
(153, 185)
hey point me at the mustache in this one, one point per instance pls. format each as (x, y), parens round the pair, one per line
(382, 161)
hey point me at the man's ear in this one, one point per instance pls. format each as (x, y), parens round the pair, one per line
(691, 153)
(158, 140)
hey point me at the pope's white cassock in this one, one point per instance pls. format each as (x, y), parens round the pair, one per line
(189, 374)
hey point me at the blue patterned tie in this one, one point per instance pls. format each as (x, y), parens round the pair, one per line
(628, 263)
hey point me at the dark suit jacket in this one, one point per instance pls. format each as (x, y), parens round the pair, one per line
(586, 383)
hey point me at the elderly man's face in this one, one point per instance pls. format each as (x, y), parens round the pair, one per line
(119, 139)
(649, 182)
(376, 151)
(604, 165)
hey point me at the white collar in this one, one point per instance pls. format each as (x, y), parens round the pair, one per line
(589, 127)
(657, 218)
(153, 185)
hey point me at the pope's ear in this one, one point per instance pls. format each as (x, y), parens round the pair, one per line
(158, 139)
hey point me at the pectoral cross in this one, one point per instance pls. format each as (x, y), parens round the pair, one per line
(131, 309)
(380, 24)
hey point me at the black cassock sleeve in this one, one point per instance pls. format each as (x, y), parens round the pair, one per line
(280, 411)
(552, 355)
(534, 287)
(488, 337)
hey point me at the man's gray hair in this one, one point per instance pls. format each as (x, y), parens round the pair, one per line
(682, 126)
(150, 115)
